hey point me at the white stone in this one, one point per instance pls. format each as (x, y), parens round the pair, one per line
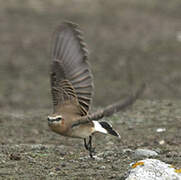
(152, 169)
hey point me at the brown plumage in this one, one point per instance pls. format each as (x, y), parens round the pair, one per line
(72, 88)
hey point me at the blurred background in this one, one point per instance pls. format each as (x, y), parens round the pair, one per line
(130, 41)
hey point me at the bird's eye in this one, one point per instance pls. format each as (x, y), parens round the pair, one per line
(59, 119)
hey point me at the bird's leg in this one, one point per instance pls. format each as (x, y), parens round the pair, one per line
(90, 143)
(85, 144)
(89, 147)
(92, 150)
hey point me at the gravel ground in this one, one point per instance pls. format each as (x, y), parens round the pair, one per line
(29, 150)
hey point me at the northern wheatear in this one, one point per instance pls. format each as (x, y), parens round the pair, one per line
(72, 88)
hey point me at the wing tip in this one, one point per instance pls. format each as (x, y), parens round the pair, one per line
(75, 28)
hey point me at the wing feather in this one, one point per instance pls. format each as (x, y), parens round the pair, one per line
(71, 76)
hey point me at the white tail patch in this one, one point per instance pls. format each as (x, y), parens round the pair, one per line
(99, 128)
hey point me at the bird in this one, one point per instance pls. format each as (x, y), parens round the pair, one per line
(72, 89)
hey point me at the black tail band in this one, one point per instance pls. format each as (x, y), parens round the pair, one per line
(109, 128)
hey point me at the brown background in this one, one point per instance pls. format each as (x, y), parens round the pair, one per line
(129, 42)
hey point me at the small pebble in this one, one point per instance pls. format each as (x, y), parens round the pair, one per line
(57, 169)
(161, 130)
(15, 156)
(145, 153)
(102, 167)
(161, 142)
(127, 150)
(51, 173)
(63, 165)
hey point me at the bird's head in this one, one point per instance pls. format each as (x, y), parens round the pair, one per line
(56, 123)
(54, 119)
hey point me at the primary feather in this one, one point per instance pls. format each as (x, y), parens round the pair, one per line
(70, 72)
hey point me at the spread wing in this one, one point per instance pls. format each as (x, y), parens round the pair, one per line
(71, 78)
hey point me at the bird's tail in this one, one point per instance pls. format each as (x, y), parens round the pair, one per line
(105, 128)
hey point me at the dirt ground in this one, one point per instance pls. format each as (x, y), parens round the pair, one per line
(130, 41)
(29, 150)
